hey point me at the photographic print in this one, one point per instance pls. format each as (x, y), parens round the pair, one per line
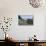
(25, 19)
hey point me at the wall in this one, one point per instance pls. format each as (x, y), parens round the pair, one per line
(24, 32)
(45, 28)
(13, 8)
